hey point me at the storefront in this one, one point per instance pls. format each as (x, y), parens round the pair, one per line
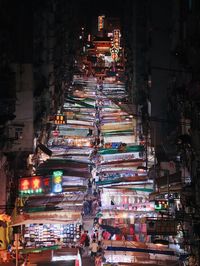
(71, 141)
(42, 229)
(48, 211)
(124, 199)
(126, 210)
(39, 235)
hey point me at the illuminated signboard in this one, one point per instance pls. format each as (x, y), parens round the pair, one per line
(57, 181)
(100, 22)
(114, 57)
(37, 185)
(59, 120)
(46, 185)
(30, 185)
(114, 53)
(161, 205)
(116, 38)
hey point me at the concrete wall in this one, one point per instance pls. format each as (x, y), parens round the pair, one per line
(24, 110)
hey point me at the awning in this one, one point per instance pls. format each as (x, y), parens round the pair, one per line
(51, 217)
(134, 148)
(164, 190)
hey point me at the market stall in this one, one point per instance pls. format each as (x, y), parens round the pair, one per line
(39, 235)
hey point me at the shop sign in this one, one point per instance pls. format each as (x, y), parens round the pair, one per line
(60, 119)
(161, 205)
(37, 185)
(30, 185)
(161, 227)
(116, 38)
(101, 22)
(46, 185)
(57, 181)
(114, 53)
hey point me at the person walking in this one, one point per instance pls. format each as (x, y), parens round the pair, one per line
(82, 238)
(94, 248)
(86, 209)
(86, 245)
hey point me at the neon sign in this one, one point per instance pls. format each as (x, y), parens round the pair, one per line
(161, 205)
(100, 22)
(116, 38)
(59, 119)
(47, 185)
(114, 53)
(57, 181)
(30, 185)
(35, 185)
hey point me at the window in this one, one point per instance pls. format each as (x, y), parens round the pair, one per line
(18, 133)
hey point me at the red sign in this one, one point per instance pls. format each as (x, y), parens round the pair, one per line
(47, 185)
(25, 184)
(114, 56)
(30, 185)
(36, 185)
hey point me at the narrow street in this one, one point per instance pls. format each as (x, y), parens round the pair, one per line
(93, 195)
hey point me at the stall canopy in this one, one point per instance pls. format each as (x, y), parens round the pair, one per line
(51, 217)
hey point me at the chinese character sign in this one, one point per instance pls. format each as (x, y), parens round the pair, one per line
(47, 185)
(101, 22)
(60, 119)
(57, 181)
(30, 185)
(116, 38)
(37, 185)
(25, 184)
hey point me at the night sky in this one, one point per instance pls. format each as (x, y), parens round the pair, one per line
(91, 9)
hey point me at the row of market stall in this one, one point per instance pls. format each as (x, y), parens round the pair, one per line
(93, 139)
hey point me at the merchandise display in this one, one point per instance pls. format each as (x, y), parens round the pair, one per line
(39, 235)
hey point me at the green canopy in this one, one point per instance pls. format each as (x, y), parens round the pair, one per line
(80, 102)
(118, 132)
(135, 148)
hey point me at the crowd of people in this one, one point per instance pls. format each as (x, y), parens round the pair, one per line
(91, 245)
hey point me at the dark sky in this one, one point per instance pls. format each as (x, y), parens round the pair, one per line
(91, 9)
(109, 7)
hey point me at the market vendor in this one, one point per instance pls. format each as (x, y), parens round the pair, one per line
(59, 242)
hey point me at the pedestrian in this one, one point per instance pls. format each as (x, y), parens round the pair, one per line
(82, 238)
(89, 187)
(94, 206)
(86, 245)
(95, 235)
(86, 209)
(90, 205)
(95, 194)
(94, 248)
